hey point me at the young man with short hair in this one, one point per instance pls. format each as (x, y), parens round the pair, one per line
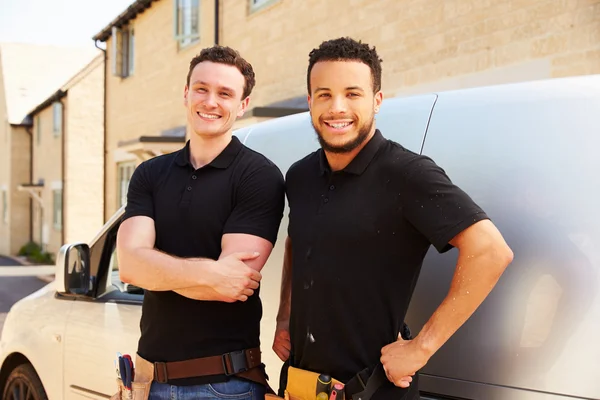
(199, 226)
(363, 213)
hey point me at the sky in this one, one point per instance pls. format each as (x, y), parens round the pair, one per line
(57, 22)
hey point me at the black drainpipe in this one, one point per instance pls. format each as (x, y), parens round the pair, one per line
(216, 22)
(104, 150)
(30, 131)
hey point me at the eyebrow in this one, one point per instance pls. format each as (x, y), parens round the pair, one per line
(225, 88)
(348, 88)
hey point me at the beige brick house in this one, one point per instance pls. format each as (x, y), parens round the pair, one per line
(149, 47)
(67, 161)
(28, 75)
(426, 45)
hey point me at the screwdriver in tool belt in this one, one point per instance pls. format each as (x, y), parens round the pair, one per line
(333, 395)
(337, 392)
(323, 384)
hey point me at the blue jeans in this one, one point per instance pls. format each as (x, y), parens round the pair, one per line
(234, 389)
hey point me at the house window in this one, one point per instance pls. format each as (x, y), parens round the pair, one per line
(38, 129)
(4, 207)
(57, 112)
(256, 5)
(57, 208)
(125, 171)
(186, 21)
(123, 51)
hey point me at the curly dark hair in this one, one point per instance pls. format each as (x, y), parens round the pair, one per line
(346, 49)
(226, 55)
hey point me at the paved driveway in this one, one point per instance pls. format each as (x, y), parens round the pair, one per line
(14, 287)
(7, 261)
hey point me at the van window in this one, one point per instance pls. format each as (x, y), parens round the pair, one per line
(404, 119)
(283, 140)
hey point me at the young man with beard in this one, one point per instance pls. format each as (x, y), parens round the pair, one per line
(198, 227)
(363, 212)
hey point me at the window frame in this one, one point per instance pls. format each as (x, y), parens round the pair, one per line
(4, 206)
(57, 209)
(121, 189)
(257, 5)
(179, 21)
(123, 51)
(57, 118)
(38, 129)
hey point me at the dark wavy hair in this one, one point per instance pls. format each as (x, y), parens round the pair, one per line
(346, 49)
(226, 55)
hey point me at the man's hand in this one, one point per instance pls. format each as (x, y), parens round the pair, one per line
(282, 344)
(232, 279)
(401, 360)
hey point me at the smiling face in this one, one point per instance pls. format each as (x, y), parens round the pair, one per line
(342, 104)
(214, 98)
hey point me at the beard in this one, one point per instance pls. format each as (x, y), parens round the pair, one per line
(363, 134)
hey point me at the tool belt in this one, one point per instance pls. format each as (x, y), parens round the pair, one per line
(243, 363)
(306, 385)
(140, 386)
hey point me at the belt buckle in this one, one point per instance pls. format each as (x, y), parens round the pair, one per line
(237, 360)
(160, 366)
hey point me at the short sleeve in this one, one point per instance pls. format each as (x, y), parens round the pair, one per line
(435, 206)
(140, 200)
(260, 200)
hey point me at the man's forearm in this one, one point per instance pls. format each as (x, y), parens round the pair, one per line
(285, 300)
(283, 315)
(153, 270)
(473, 280)
(200, 293)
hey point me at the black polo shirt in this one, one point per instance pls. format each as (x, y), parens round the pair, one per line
(359, 237)
(240, 191)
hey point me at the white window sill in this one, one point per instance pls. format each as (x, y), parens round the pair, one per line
(184, 46)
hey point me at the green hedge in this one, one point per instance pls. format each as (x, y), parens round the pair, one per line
(34, 253)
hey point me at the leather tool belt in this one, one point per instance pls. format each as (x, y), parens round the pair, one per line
(140, 386)
(243, 363)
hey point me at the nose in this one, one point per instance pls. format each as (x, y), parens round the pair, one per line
(338, 105)
(210, 100)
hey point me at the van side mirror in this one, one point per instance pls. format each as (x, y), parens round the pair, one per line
(73, 269)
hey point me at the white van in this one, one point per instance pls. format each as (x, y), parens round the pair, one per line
(527, 153)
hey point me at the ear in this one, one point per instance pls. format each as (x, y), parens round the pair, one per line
(185, 95)
(243, 106)
(378, 101)
(308, 100)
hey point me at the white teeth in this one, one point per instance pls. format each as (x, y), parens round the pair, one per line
(209, 116)
(340, 125)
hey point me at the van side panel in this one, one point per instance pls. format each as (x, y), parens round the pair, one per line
(528, 154)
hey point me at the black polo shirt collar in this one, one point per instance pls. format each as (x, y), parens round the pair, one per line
(222, 161)
(358, 165)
